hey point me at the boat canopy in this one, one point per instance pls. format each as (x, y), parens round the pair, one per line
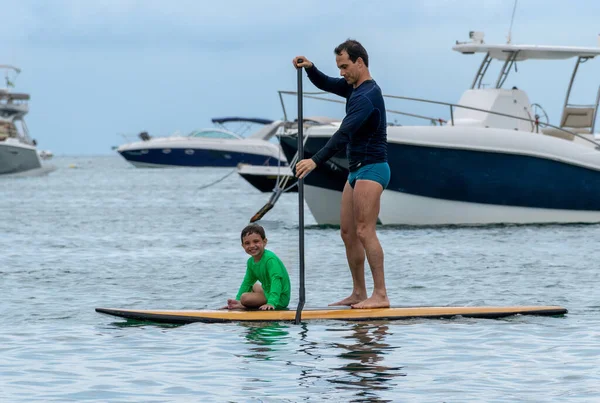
(241, 119)
(504, 52)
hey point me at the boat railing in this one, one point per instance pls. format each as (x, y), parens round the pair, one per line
(535, 122)
(314, 95)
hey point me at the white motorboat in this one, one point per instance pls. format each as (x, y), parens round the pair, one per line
(495, 160)
(208, 147)
(18, 153)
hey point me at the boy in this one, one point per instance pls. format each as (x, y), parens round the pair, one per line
(273, 292)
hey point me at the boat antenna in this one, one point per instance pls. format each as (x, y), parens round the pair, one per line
(509, 38)
(300, 198)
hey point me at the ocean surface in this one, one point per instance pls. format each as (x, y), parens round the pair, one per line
(98, 232)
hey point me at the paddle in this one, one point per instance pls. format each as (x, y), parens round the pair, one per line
(300, 198)
(265, 209)
(281, 187)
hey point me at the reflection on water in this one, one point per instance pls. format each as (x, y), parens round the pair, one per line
(356, 359)
(266, 336)
(365, 370)
(141, 323)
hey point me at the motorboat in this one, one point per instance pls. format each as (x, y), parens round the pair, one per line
(495, 159)
(213, 147)
(18, 152)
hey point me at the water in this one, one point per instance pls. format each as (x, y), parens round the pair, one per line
(98, 232)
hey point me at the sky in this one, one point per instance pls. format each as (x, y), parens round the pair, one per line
(98, 70)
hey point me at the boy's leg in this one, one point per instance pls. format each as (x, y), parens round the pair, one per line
(254, 299)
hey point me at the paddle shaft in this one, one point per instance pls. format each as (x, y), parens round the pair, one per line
(300, 199)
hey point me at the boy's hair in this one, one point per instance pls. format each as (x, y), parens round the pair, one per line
(354, 50)
(253, 229)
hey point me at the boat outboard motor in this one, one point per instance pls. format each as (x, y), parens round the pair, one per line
(144, 136)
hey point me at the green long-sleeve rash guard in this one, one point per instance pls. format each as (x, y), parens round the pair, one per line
(273, 276)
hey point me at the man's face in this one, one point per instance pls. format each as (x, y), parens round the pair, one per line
(348, 69)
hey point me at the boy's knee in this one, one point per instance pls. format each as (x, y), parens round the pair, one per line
(245, 299)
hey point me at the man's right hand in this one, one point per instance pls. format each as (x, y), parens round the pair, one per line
(303, 167)
(305, 62)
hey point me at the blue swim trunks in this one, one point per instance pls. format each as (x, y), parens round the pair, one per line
(379, 172)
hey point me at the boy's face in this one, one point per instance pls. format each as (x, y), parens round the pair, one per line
(254, 245)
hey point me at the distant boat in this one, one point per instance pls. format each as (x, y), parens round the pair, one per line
(208, 147)
(18, 153)
(45, 154)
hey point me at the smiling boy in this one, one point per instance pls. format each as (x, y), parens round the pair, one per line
(263, 266)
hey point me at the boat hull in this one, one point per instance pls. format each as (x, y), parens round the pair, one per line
(177, 157)
(266, 178)
(17, 158)
(398, 208)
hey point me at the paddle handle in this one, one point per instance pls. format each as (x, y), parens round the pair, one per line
(300, 199)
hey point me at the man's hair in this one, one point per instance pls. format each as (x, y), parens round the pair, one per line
(354, 50)
(253, 229)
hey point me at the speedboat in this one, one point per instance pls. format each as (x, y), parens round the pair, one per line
(213, 147)
(495, 159)
(18, 152)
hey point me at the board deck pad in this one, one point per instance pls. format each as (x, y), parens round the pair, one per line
(330, 313)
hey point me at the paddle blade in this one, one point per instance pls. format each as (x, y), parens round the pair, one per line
(261, 213)
(265, 209)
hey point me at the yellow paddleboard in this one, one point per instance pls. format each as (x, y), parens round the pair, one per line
(337, 313)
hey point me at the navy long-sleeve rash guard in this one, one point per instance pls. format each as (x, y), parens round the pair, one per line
(363, 130)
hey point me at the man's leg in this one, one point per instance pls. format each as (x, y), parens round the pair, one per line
(366, 201)
(355, 252)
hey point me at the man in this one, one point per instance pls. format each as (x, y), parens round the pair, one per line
(363, 133)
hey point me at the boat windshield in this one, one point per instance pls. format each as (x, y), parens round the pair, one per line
(214, 134)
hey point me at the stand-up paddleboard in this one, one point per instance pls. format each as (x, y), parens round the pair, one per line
(342, 313)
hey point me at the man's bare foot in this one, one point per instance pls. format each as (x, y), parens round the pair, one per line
(348, 301)
(373, 302)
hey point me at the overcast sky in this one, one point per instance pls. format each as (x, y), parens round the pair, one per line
(95, 69)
